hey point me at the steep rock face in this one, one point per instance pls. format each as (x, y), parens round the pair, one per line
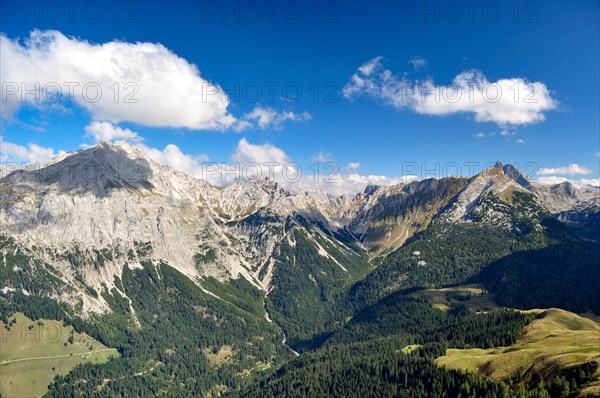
(492, 182)
(583, 211)
(112, 196)
(388, 216)
(513, 173)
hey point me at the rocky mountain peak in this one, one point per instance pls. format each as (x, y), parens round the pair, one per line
(513, 173)
(98, 169)
(566, 188)
(370, 189)
(500, 172)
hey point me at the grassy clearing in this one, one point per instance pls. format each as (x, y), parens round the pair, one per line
(409, 348)
(220, 357)
(558, 340)
(33, 352)
(473, 296)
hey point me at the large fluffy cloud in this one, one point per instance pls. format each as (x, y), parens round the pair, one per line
(251, 161)
(246, 152)
(506, 102)
(141, 83)
(155, 86)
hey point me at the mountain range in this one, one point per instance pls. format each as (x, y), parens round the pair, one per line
(90, 230)
(111, 200)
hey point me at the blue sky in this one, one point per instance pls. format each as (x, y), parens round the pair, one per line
(363, 126)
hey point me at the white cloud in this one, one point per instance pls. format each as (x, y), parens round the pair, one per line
(170, 90)
(470, 92)
(251, 161)
(369, 67)
(263, 153)
(507, 133)
(353, 166)
(104, 131)
(554, 175)
(483, 134)
(571, 170)
(274, 162)
(417, 62)
(553, 180)
(265, 118)
(32, 153)
(595, 182)
(242, 125)
(173, 157)
(350, 184)
(520, 141)
(322, 157)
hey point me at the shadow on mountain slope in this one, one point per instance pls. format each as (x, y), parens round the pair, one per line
(98, 170)
(564, 275)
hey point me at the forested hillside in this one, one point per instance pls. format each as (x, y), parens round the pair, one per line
(166, 336)
(389, 350)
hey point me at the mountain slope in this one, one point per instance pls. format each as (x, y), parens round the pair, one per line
(92, 213)
(388, 216)
(492, 222)
(559, 342)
